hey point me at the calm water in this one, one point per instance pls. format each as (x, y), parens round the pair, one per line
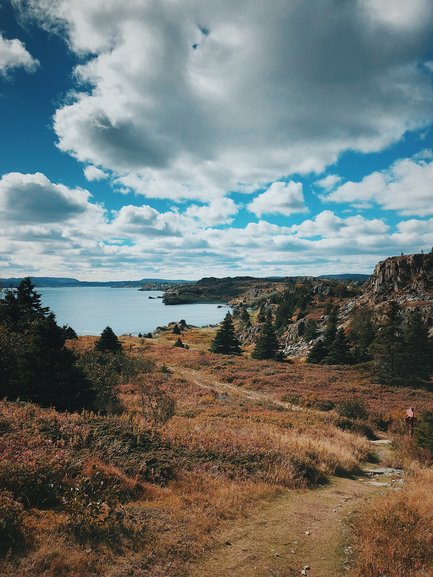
(88, 310)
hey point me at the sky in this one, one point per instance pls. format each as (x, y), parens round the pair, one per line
(191, 138)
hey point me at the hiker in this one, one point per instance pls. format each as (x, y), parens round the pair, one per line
(410, 420)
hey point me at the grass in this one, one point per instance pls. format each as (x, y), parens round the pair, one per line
(394, 536)
(105, 495)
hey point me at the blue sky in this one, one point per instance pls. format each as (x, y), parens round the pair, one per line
(199, 138)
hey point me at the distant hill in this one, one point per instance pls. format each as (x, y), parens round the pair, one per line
(49, 281)
(347, 276)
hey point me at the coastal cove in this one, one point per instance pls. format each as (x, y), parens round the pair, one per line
(88, 310)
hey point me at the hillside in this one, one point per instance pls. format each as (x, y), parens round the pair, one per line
(48, 281)
(167, 460)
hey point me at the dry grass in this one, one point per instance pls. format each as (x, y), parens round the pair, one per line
(217, 457)
(395, 534)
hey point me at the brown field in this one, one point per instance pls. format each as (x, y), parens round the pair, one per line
(244, 432)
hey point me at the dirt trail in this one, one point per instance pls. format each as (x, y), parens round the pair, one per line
(208, 382)
(297, 529)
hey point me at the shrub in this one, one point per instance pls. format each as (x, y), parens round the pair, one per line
(95, 511)
(11, 514)
(424, 433)
(138, 452)
(37, 482)
(352, 409)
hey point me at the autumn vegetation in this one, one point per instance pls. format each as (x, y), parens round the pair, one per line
(129, 459)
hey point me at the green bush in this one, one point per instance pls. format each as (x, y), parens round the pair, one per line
(352, 409)
(424, 432)
(94, 509)
(37, 483)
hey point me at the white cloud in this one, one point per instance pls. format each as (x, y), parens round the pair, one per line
(92, 173)
(219, 211)
(281, 198)
(406, 187)
(266, 93)
(328, 182)
(32, 199)
(13, 54)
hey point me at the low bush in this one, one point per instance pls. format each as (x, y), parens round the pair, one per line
(352, 409)
(11, 514)
(94, 509)
(424, 434)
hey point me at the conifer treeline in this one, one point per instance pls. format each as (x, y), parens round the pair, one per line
(397, 352)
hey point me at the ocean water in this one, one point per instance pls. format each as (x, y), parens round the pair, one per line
(88, 310)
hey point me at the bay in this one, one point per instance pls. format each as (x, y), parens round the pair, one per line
(88, 310)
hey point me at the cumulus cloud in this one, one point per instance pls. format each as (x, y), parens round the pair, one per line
(189, 100)
(34, 199)
(219, 211)
(13, 54)
(92, 173)
(280, 198)
(406, 187)
(328, 182)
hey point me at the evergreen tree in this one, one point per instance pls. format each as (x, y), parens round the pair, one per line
(108, 342)
(179, 343)
(69, 333)
(283, 314)
(20, 307)
(225, 341)
(261, 317)
(424, 432)
(417, 346)
(338, 353)
(361, 334)
(176, 330)
(317, 353)
(267, 343)
(310, 331)
(387, 348)
(244, 316)
(331, 330)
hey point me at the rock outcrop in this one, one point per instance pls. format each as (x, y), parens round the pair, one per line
(411, 273)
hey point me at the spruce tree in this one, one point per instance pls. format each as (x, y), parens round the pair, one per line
(339, 352)
(331, 330)
(317, 353)
(310, 331)
(225, 341)
(417, 346)
(20, 307)
(361, 334)
(108, 342)
(387, 348)
(267, 343)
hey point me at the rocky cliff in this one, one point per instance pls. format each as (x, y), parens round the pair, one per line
(410, 274)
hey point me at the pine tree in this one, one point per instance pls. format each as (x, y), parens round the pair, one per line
(108, 342)
(244, 316)
(317, 353)
(417, 346)
(225, 341)
(387, 348)
(310, 331)
(176, 330)
(331, 330)
(361, 334)
(339, 352)
(20, 307)
(267, 343)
